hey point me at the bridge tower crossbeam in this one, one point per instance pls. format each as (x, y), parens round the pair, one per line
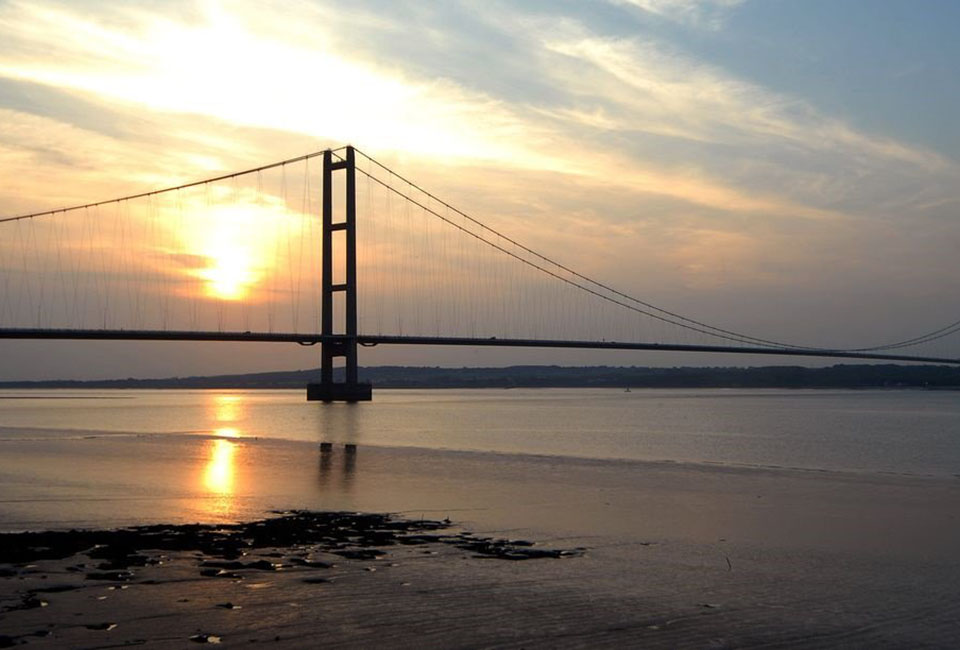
(343, 343)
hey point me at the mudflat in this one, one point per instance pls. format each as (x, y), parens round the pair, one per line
(658, 554)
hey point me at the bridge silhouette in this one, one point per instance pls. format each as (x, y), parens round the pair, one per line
(236, 258)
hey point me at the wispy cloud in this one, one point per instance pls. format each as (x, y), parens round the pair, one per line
(227, 65)
(219, 65)
(708, 13)
(256, 67)
(663, 92)
(735, 131)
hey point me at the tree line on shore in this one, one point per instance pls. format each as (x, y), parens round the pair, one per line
(836, 376)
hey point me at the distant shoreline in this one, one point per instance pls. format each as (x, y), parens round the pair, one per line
(861, 376)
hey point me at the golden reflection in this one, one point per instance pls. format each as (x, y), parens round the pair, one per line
(219, 479)
(220, 471)
(227, 408)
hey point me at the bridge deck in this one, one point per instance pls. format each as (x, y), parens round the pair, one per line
(372, 340)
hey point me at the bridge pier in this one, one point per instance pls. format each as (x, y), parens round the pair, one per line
(339, 392)
(339, 344)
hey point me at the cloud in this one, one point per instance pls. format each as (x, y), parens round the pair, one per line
(259, 68)
(702, 13)
(660, 91)
(665, 110)
(220, 65)
(229, 65)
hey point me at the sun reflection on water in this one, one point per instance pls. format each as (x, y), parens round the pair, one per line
(227, 408)
(220, 472)
(219, 480)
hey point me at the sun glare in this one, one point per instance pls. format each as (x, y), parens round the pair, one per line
(234, 239)
(227, 238)
(230, 274)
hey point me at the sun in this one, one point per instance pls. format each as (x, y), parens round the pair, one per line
(231, 273)
(232, 241)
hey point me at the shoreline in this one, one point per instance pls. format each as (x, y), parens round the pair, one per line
(677, 555)
(46, 578)
(850, 375)
(444, 388)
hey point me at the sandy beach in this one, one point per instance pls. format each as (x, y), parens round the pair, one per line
(677, 555)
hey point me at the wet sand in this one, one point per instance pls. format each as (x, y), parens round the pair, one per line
(676, 555)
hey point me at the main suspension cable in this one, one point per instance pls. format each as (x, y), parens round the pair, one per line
(687, 322)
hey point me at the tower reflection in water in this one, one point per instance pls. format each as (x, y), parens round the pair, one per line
(339, 430)
(219, 482)
(231, 471)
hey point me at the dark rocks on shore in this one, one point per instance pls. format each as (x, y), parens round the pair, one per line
(512, 549)
(106, 627)
(289, 541)
(349, 535)
(205, 638)
(124, 548)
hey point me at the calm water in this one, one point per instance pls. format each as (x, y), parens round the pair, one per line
(911, 432)
(835, 550)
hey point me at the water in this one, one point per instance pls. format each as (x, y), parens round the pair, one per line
(895, 431)
(661, 486)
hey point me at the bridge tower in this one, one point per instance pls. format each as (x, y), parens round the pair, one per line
(339, 341)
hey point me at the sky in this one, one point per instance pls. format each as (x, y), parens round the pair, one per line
(783, 168)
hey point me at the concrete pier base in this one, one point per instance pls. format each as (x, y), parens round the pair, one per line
(334, 392)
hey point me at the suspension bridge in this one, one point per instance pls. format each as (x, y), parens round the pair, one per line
(238, 258)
